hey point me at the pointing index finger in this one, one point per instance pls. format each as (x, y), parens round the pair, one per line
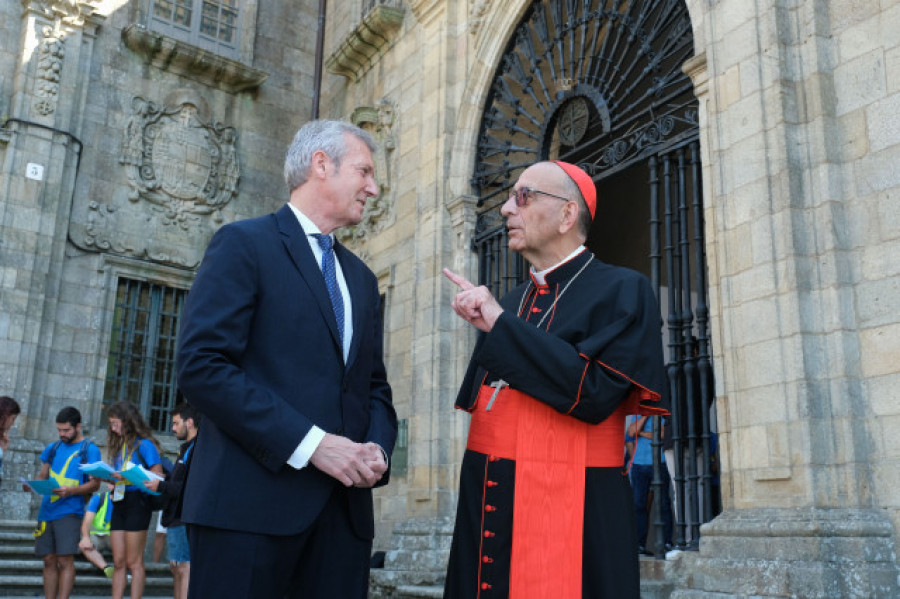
(462, 282)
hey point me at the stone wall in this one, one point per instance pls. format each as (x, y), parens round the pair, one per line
(125, 127)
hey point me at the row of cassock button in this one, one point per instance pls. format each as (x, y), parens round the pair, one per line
(487, 533)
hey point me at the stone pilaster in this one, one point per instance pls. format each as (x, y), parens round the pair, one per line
(797, 450)
(41, 157)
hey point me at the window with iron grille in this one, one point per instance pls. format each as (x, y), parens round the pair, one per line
(141, 365)
(210, 24)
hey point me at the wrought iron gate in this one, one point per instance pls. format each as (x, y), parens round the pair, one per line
(599, 83)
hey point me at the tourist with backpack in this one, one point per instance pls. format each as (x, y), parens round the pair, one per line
(130, 443)
(59, 519)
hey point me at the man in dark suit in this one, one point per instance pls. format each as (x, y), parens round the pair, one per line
(281, 349)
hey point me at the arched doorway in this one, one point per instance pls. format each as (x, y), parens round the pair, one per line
(599, 83)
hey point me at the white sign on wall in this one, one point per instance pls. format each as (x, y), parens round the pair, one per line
(34, 171)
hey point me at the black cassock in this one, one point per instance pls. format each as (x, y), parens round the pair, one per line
(595, 348)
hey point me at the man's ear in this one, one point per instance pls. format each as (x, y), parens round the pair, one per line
(570, 217)
(319, 164)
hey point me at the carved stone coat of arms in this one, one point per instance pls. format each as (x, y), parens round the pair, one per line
(178, 162)
(181, 170)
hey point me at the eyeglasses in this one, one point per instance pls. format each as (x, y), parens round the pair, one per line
(523, 195)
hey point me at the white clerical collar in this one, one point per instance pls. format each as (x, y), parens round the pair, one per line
(540, 276)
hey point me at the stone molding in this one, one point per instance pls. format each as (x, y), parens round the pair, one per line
(366, 43)
(426, 10)
(172, 55)
(697, 69)
(70, 12)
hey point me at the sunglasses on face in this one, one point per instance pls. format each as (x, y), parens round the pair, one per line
(522, 195)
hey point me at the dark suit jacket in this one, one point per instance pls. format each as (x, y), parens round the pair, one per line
(259, 355)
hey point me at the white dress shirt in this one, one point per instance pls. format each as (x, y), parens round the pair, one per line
(309, 444)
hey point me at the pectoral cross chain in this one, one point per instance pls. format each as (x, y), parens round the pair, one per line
(497, 385)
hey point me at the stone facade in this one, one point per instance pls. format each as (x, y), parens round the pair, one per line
(799, 139)
(123, 150)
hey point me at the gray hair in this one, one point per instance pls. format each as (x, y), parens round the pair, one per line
(327, 136)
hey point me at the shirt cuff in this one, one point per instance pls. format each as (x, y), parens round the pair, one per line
(300, 458)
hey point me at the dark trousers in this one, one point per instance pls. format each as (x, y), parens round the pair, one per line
(641, 479)
(324, 562)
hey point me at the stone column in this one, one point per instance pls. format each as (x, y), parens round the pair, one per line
(803, 516)
(40, 148)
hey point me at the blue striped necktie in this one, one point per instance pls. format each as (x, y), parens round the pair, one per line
(334, 292)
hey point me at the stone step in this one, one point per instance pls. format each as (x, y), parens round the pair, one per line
(20, 569)
(28, 585)
(417, 592)
(13, 538)
(35, 565)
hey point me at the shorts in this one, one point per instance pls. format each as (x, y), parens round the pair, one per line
(131, 513)
(60, 537)
(101, 543)
(177, 545)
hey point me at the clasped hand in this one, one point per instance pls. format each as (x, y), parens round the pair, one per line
(353, 464)
(474, 304)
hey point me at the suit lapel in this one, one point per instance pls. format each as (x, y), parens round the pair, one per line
(298, 249)
(353, 275)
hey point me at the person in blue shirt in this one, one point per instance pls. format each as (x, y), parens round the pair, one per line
(640, 430)
(130, 442)
(59, 519)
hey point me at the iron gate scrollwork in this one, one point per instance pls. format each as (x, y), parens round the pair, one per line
(599, 83)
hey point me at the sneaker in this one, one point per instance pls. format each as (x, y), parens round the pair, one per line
(108, 570)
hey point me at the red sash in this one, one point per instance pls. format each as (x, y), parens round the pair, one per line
(551, 451)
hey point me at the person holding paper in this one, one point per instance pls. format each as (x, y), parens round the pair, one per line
(129, 443)
(185, 421)
(59, 519)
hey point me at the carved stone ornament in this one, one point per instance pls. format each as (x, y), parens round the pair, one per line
(379, 121)
(182, 173)
(69, 12)
(367, 42)
(184, 165)
(477, 14)
(51, 54)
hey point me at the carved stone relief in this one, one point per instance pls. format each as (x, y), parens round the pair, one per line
(182, 170)
(69, 12)
(379, 121)
(176, 160)
(477, 14)
(51, 54)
